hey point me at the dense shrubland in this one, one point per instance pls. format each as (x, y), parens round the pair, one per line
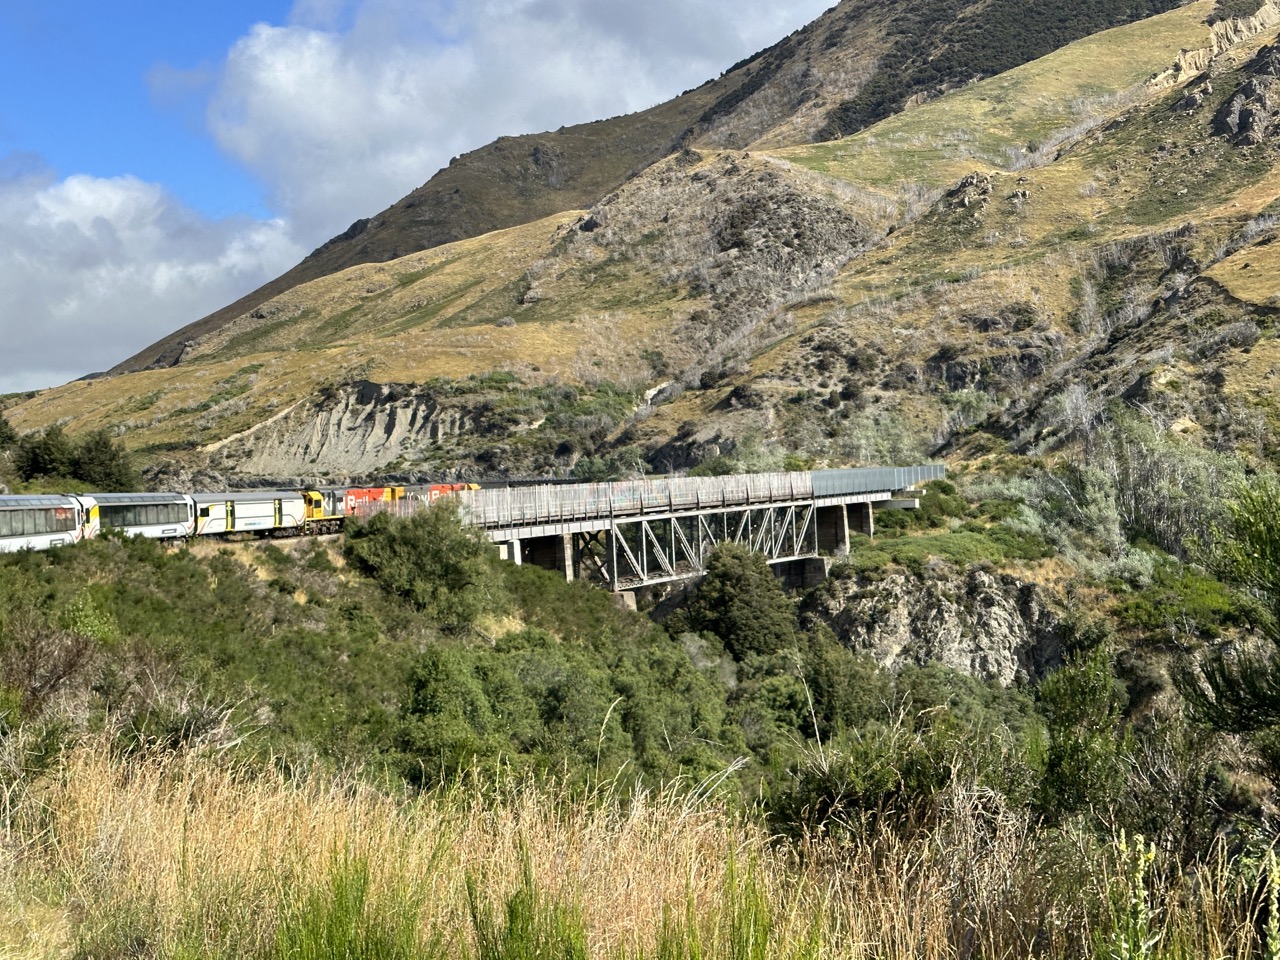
(398, 746)
(49, 459)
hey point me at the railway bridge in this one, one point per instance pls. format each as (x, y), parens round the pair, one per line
(641, 533)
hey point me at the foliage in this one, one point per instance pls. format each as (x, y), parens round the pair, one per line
(1133, 929)
(1182, 603)
(1167, 492)
(531, 928)
(918, 735)
(95, 460)
(344, 917)
(742, 603)
(47, 454)
(1239, 690)
(8, 435)
(1080, 703)
(963, 547)
(429, 559)
(104, 464)
(599, 694)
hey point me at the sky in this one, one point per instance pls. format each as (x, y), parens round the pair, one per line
(159, 160)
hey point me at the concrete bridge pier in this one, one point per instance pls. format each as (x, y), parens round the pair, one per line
(551, 553)
(862, 519)
(833, 530)
(802, 574)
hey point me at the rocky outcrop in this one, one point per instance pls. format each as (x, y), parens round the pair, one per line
(361, 428)
(744, 235)
(973, 190)
(993, 626)
(1250, 116)
(1223, 35)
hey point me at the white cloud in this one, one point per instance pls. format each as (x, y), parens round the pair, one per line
(340, 112)
(93, 270)
(339, 122)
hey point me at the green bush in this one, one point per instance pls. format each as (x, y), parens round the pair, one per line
(1183, 603)
(1081, 703)
(431, 561)
(741, 602)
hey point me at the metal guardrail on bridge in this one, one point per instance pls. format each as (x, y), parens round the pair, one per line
(512, 508)
(643, 532)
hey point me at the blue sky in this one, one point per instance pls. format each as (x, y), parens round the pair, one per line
(160, 160)
(95, 87)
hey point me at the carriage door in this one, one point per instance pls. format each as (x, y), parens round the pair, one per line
(231, 516)
(279, 514)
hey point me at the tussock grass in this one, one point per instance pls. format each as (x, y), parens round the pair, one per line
(991, 124)
(1251, 274)
(186, 856)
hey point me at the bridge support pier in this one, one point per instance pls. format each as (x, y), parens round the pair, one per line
(862, 519)
(552, 553)
(833, 530)
(803, 574)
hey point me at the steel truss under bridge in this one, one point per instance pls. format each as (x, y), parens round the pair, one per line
(652, 550)
(634, 533)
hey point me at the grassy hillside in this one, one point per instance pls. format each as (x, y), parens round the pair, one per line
(395, 745)
(858, 63)
(956, 265)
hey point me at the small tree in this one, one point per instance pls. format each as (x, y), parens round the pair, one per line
(8, 435)
(104, 464)
(430, 560)
(1081, 704)
(1239, 692)
(742, 603)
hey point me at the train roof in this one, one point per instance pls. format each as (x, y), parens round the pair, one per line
(118, 498)
(35, 501)
(241, 496)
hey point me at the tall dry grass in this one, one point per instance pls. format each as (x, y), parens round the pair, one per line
(188, 857)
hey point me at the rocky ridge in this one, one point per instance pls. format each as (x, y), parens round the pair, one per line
(991, 625)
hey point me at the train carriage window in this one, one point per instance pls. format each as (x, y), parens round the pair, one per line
(36, 522)
(144, 514)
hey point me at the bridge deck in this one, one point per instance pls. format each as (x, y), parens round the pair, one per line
(536, 511)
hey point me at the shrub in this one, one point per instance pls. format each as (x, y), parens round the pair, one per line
(104, 464)
(741, 602)
(431, 561)
(1080, 703)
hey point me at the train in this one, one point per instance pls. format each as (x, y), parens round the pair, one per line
(45, 521)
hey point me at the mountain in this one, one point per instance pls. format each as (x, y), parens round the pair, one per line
(859, 62)
(711, 282)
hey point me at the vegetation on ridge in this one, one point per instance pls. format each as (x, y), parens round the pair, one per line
(538, 720)
(393, 745)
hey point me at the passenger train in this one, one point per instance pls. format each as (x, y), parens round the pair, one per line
(46, 521)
